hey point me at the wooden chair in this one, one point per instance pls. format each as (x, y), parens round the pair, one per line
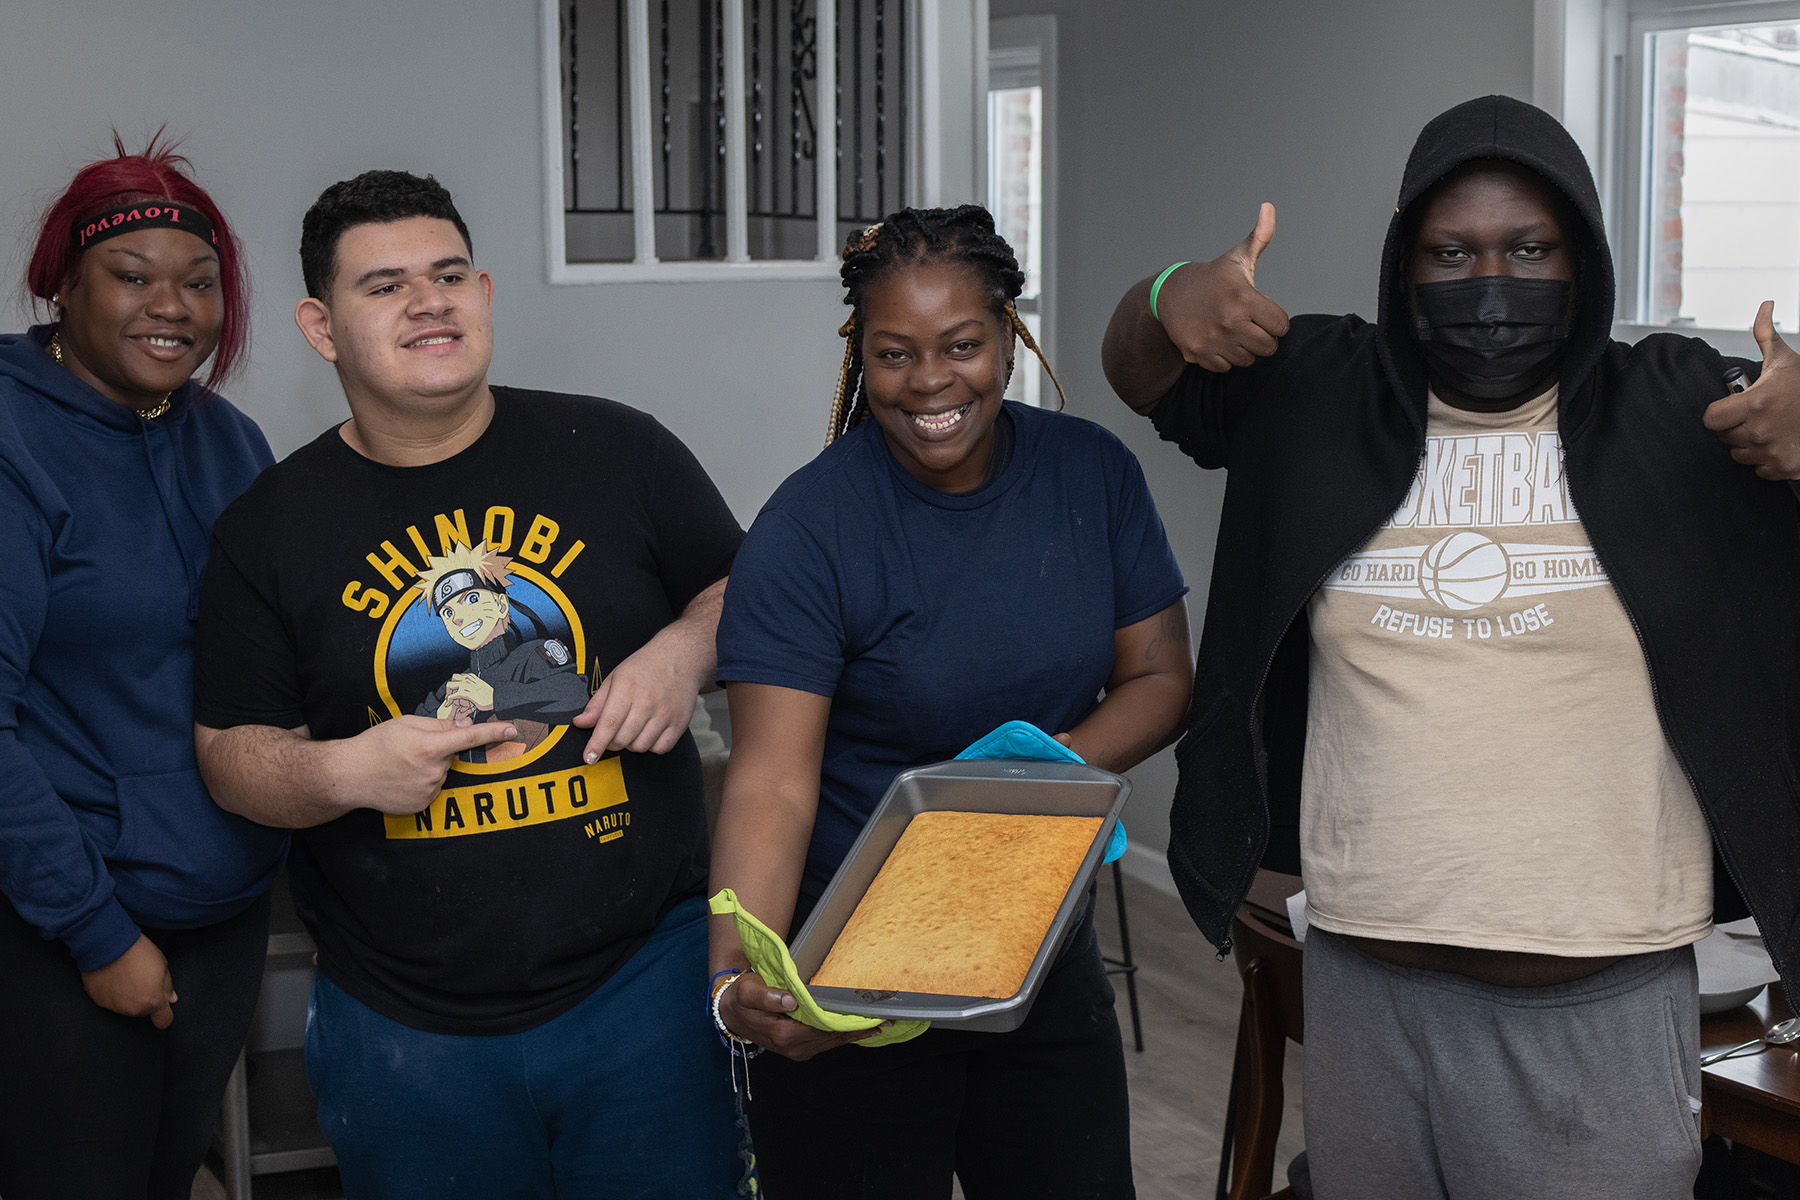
(1268, 959)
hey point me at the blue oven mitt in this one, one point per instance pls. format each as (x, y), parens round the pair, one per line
(1025, 741)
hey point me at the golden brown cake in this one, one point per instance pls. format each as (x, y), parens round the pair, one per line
(961, 905)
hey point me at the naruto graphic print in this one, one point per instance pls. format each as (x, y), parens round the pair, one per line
(527, 678)
(482, 636)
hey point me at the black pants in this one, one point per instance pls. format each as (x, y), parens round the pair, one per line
(1038, 1112)
(96, 1106)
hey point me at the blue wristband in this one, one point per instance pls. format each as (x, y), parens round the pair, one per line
(713, 983)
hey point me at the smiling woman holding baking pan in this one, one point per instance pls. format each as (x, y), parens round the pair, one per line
(952, 563)
(133, 911)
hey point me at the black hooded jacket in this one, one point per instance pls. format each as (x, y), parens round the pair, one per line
(1323, 439)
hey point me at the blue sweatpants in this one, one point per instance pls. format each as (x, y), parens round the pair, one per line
(625, 1095)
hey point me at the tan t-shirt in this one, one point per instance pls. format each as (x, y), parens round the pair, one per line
(1484, 766)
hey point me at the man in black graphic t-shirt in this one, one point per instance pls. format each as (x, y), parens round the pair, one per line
(454, 643)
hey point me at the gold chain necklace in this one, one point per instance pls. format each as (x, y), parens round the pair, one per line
(149, 414)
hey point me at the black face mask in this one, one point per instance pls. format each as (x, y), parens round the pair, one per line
(1493, 336)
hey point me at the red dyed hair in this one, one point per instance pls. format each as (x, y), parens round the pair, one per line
(157, 174)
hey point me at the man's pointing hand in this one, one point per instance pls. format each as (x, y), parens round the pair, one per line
(399, 766)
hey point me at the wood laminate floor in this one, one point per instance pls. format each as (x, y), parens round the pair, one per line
(1189, 1001)
(1179, 1084)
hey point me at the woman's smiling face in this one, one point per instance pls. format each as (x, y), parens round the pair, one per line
(935, 362)
(143, 311)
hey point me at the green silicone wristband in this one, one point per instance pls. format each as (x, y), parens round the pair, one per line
(1156, 287)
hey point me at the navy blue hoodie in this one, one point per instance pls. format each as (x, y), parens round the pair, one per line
(105, 521)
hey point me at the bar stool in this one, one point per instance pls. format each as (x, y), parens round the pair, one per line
(1125, 964)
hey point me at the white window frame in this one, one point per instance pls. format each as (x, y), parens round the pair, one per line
(1022, 40)
(1588, 70)
(947, 75)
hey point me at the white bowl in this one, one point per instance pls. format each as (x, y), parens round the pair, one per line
(1719, 1002)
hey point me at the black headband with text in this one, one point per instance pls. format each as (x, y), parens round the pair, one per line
(154, 214)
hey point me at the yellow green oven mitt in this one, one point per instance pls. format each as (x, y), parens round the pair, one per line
(769, 956)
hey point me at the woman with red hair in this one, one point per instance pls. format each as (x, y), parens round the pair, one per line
(133, 911)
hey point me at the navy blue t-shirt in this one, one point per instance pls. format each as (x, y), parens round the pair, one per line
(931, 618)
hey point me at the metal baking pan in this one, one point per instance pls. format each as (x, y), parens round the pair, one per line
(1008, 786)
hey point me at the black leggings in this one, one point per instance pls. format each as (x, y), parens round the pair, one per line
(1038, 1112)
(96, 1106)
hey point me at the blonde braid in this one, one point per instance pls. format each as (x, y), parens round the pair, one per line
(844, 407)
(1020, 328)
(846, 330)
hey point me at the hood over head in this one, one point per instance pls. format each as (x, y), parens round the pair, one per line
(1502, 128)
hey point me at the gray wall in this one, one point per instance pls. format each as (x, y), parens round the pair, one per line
(277, 99)
(1177, 118)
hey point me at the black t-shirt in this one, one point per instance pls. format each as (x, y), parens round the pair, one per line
(500, 584)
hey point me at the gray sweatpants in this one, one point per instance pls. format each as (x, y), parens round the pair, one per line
(1423, 1085)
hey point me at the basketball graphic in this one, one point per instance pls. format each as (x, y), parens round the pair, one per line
(1463, 571)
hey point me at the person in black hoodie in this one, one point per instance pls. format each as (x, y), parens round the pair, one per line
(1500, 652)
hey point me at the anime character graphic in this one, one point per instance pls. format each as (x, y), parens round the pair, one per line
(531, 683)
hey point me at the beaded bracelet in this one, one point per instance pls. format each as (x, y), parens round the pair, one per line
(736, 1044)
(742, 1049)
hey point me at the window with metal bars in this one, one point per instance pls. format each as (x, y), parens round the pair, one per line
(688, 133)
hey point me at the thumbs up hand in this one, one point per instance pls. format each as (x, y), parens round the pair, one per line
(1212, 311)
(1762, 423)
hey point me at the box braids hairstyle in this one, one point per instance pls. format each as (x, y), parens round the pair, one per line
(911, 237)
